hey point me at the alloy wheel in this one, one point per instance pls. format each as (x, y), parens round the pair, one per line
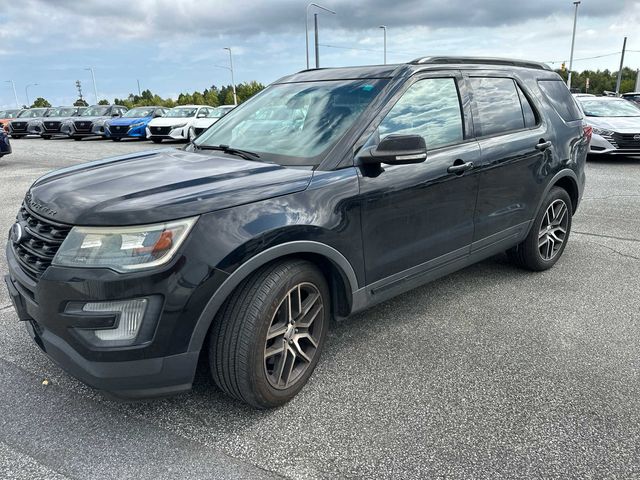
(553, 229)
(294, 335)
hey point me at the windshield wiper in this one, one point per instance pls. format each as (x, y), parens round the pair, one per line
(246, 154)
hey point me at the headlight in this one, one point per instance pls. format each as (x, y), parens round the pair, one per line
(599, 131)
(123, 249)
(178, 126)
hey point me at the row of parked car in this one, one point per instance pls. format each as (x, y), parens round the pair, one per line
(113, 121)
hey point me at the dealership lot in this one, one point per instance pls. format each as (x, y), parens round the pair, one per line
(491, 372)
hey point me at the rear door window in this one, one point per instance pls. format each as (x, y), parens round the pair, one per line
(560, 99)
(496, 106)
(530, 117)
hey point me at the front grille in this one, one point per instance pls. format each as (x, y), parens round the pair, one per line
(198, 131)
(119, 129)
(626, 140)
(19, 126)
(40, 243)
(83, 126)
(159, 130)
(50, 126)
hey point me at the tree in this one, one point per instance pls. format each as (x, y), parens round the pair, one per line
(40, 102)
(103, 102)
(80, 103)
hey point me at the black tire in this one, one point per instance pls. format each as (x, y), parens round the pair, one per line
(115, 139)
(156, 140)
(528, 254)
(46, 137)
(77, 139)
(17, 137)
(238, 337)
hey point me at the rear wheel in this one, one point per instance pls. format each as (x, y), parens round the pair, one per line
(549, 234)
(266, 340)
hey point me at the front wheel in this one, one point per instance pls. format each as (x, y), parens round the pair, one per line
(77, 139)
(549, 234)
(46, 137)
(17, 137)
(156, 140)
(115, 139)
(266, 340)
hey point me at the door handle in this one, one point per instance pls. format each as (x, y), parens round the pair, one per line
(543, 145)
(459, 168)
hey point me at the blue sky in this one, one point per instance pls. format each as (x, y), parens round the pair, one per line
(177, 46)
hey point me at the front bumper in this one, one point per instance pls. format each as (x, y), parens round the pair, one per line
(132, 132)
(181, 133)
(613, 145)
(159, 367)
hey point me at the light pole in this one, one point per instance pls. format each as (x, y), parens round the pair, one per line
(306, 26)
(384, 28)
(573, 42)
(26, 92)
(15, 95)
(233, 82)
(93, 77)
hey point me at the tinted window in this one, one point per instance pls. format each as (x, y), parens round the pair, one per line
(561, 99)
(530, 118)
(429, 108)
(497, 107)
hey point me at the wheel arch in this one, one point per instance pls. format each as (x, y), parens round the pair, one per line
(338, 271)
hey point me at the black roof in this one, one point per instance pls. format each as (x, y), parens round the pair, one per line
(388, 71)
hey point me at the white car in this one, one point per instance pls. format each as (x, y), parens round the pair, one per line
(213, 115)
(615, 123)
(176, 123)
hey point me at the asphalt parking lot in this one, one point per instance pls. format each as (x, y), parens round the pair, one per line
(491, 372)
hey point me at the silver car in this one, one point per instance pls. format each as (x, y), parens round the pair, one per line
(615, 123)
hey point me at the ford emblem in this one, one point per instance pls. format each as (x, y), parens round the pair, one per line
(17, 232)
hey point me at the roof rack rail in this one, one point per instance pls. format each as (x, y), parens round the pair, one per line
(480, 60)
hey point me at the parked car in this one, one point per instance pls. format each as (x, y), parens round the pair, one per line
(133, 124)
(18, 127)
(615, 123)
(50, 126)
(6, 116)
(176, 123)
(211, 116)
(5, 145)
(632, 97)
(91, 122)
(244, 246)
(35, 126)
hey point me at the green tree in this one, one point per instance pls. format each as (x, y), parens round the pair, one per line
(40, 102)
(103, 102)
(80, 103)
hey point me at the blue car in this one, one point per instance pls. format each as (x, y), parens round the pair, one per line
(5, 146)
(133, 124)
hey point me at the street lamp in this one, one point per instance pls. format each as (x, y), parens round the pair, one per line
(26, 92)
(15, 95)
(384, 28)
(573, 42)
(233, 83)
(93, 77)
(306, 28)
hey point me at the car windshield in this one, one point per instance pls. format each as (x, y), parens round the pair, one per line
(9, 114)
(609, 108)
(294, 123)
(181, 112)
(95, 111)
(139, 112)
(32, 113)
(218, 112)
(63, 112)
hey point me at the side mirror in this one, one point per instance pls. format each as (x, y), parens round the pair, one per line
(395, 150)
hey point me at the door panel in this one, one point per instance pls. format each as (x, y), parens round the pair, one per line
(412, 214)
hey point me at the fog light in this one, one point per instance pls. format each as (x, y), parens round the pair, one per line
(130, 315)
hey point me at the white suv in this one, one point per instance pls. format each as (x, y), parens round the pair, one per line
(212, 116)
(177, 123)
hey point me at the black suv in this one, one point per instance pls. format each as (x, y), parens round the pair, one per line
(328, 192)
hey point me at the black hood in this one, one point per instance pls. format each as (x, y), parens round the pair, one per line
(156, 186)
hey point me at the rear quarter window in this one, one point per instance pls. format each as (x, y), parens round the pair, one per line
(560, 99)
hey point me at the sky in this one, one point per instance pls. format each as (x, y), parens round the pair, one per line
(174, 46)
